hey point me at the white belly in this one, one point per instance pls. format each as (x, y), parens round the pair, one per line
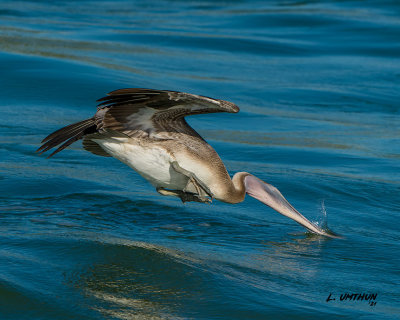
(152, 163)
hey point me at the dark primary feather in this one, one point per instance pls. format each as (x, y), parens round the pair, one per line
(137, 112)
(67, 136)
(164, 99)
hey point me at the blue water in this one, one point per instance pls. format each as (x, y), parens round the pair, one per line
(318, 84)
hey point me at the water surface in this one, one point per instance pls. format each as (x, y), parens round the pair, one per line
(85, 237)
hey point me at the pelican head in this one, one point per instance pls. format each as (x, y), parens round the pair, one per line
(272, 197)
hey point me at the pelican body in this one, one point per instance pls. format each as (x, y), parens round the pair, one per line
(146, 130)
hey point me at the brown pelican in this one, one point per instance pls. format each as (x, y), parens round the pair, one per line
(146, 129)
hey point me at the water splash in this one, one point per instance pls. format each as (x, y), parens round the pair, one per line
(323, 222)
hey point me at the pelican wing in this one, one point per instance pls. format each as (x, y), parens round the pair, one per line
(154, 113)
(138, 113)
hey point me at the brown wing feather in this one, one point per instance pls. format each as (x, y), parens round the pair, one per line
(141, 112)
(93, 147)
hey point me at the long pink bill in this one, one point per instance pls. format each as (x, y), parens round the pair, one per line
(271, 196)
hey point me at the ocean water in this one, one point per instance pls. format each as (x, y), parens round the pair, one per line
(318, 84)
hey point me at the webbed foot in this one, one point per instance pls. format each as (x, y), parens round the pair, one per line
(184, 196)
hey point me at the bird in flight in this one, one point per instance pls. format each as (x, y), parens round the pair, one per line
(146, 130)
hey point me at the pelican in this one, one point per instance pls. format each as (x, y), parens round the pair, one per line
(146, 130)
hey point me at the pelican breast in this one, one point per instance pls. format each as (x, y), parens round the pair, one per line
(152, 162)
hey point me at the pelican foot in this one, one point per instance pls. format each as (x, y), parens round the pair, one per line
(201, 187)
(188, 196)
(184, 196)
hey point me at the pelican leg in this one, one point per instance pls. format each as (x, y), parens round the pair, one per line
(198, 184)
(184, 196)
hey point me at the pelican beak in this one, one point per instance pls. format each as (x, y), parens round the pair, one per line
(272, 197)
